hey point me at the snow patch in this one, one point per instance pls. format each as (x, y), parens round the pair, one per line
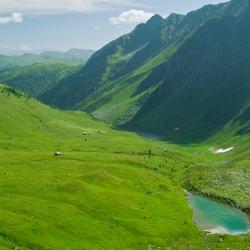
(222, 151)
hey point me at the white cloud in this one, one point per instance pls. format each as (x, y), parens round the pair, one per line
(61, 6)
(15, 17)
(131, 16)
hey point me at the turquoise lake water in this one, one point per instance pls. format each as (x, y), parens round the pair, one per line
(210, 215)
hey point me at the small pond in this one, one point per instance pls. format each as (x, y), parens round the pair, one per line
(218, 218)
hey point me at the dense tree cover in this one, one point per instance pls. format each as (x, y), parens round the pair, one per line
(37, 78)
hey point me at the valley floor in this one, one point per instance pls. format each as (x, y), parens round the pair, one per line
(109, 189)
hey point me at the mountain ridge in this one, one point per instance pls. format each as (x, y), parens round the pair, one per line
(72, 56)
(141, 80)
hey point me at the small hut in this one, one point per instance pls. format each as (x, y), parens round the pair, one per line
(58, 154)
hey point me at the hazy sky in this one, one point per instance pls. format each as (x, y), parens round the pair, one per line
(90, 24)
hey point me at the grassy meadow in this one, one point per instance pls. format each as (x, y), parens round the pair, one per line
(109, 190)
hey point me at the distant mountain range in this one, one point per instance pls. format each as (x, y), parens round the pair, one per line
(20, 52)
(73, 55)
(8, 51)
(185, 77)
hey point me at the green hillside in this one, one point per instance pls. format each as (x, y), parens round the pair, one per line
(101, 194)
(107, 65)
(38, 78)
(211, 85)
(106, 191)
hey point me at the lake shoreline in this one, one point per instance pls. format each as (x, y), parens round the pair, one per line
(218, 230)
(189, 187)
(202, 217)
(222, 231)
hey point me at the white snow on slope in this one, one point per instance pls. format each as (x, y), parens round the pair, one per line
(222, 151)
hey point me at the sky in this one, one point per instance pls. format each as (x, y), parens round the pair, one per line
(29, 25)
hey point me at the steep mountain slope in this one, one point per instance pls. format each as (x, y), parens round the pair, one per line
(37, 78)
(74, 56)
(184, 77)
(129, 59)
(106, 65)
(206, 83)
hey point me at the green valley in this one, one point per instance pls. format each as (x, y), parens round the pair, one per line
(106, 191)
(141, 145)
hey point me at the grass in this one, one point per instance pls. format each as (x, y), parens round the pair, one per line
(104, 192)
(227, 179)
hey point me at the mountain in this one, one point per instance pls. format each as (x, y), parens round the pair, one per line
(8, 51)
(184, 77)
(128, 59)
(37, 78)
(206, 82)
(8, 62)
(107, 65)
(73, 56)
